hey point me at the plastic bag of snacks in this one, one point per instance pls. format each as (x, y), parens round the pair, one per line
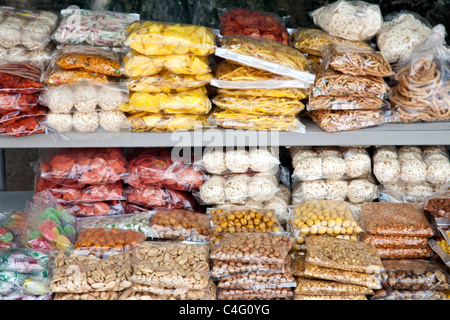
(12, 227)
(18, 123)
(169, 82)
(96, 28)
(422, 81)
(84, 97)
(400, 33)
(150, 197)
(353, 60)
(344, 103)
(238, 188)
(49, 227)
(138, 221)
(94, 208)
(229, 119)
(20, 77)
(329, 82)
(179, 224)
(156, 167)
(57, 76)
(164, 38)
(83, 166)
(159, 122)
(345, 120)
(222, 161)
(32, 29)
(41, 57)
(193, 101)
(259, 105)
(145, 292)
(253, 23)
(350, 20)
(138, 65)
(310, 41)
(265, 54)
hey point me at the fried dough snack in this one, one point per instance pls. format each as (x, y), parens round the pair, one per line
(230, 71)
(350, 59)
(158, 122)
(310, 41)
(421, 93)
(163, 38)
(345, 120)
(344, 103)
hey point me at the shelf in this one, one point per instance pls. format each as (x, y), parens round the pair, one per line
(14, 200)
(437, 133)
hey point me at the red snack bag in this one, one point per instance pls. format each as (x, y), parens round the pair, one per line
(84, 166)
(20, 77)
(160, 197)
(253, 23)
(89, 209)
(155, 167)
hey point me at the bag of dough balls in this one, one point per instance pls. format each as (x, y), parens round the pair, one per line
(350, 20)
(163, 38)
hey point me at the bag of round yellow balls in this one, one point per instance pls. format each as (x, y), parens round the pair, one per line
(163, 38)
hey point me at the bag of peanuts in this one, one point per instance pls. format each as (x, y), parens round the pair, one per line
(422, 82)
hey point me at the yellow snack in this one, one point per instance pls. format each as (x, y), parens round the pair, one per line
(194, 101)
(169, 82)
(229, 71)
(229, 119)
(165, 38)
(310, 41)
(289, 93)
(136, 65)
(156, 122)
(256, 105)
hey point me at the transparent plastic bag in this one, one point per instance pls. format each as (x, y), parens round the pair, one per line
(83, 165)
(256, 294)
(20, 77)
(330, 297)
(49, 227)
(102, 242)
(439, 205)
(57, 76)
(161, 293)
(255, 281)
(310, 41)
(164, 38)
(331, 252)
(32, 29)
(404, 253)
(324, 217)
(158, 122)
(136, 65)
(97, 208)
(288, 93)
(169, 82)
(346, 120)
(395, 219)
(138, 221)
(265, 54)
(22, 123)
(182, 225)
(151, 269)
(194, 101)
(414, 274)
(253, 23)
(224, 161)
(84, 97)
(157, 167)
(238, 188)
(92, 27)
(88, 58)
(329, 288)
(12, 228)
(232, 120)
(329, 82)
(353, 60)
(160, 197)
(400, 33)
(242, 219)
(226, 269)
(350, 20)
(259, 105)
(421, 81)
(409, 295)
(398, 242)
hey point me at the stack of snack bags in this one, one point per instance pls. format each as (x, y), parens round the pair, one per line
(12, 225)
(323, 217)
(26, 35)
(83, 92)
(157, 180)
(168, 69)
(335, 173)
(24, 274)
(336, 269)
(397, 230)
(411, 173)
(252, 266)
(99, 267)
(183, 273)
(85, 182)
(246, 177)
(260, 84)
